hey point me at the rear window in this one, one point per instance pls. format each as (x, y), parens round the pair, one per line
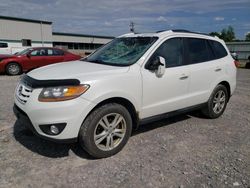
(218, 49)
(198, 50)
(3, 45)
(57, 52)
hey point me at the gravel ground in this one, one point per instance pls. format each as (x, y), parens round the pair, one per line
(183, 151)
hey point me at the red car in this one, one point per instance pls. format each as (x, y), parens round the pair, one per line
(32, 58)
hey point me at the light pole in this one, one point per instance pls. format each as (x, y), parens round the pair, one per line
(41, 26)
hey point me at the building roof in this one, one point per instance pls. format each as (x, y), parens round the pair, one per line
(24, 20)
(238, 42)
(81, 35)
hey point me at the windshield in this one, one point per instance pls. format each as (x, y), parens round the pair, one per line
(122, 51)
(24, 51)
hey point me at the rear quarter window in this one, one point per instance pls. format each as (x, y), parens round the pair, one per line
(218, 49)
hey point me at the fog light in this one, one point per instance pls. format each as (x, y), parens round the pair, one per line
(54, 129)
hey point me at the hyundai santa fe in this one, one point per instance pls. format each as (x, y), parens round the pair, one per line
(135, 78)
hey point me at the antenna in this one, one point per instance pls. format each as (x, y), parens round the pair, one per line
(132, 27)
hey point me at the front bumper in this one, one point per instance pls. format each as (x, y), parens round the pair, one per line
(72, 112)
(2, 67)
(25, 121)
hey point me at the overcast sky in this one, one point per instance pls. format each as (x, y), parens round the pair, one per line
(112, 17)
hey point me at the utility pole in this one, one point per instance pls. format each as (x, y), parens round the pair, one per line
(41, 26)
(132, 27)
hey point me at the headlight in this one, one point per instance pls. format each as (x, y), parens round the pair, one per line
(61, 93)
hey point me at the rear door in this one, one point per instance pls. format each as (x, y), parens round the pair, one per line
(169, 92)
(54, 56)
(205, 69)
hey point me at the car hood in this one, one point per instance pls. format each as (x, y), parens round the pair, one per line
(5, 56)
(81, 70)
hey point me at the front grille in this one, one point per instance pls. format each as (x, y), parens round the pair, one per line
(23, 92)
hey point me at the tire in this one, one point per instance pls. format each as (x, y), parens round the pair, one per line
(13, 69)
(247, 66)
(217, 102)
(96, 133)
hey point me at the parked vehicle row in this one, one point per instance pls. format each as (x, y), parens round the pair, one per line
(32, 58)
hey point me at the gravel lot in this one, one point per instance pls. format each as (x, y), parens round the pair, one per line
(183, 151)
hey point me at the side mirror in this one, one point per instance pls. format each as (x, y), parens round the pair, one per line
(28, 55)
(158, 65)
(161, 68)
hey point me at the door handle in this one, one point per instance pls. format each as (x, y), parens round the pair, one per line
(217, 69)
(183, 77)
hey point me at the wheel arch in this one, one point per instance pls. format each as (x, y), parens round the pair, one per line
(19, 64)
(124, 102)
(227, 85)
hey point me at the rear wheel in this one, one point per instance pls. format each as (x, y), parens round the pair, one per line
(13, 69)
(106, 130)
(217, 102)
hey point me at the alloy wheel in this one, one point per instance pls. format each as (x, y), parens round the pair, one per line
(13, 69)
(110, 131)
(219, 101)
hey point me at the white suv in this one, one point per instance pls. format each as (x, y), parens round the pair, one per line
(133, 79)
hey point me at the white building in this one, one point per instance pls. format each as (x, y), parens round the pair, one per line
(242, 49)
(79, 43)
(19, 33)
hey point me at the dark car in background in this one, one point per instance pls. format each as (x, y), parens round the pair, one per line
(32, 58)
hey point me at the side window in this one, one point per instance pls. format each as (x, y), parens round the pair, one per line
(40, 52)
(198, 50)
(50, 52)
(57, 52)
(172, 51)
(3, 45)
(35, 53)
(218, 49)
(43, 52)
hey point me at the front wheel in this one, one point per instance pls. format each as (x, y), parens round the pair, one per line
(13, 69)
(217, 102)
(106, 130)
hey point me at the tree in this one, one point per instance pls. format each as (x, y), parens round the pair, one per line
(215, 34)
(227, 34)
(248, 36)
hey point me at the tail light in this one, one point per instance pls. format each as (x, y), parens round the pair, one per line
(236, 63)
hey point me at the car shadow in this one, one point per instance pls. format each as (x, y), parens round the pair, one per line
(44, 147)
(54, 150)
(145, 127)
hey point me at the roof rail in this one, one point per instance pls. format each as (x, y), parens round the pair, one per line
(161, 31)
(184, 31)
(181, 31)
(174, 30)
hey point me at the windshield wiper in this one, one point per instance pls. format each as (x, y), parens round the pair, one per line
(105, 63)
(97, 61)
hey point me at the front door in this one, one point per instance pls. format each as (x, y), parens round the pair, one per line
(35, 58)
(169, 92)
